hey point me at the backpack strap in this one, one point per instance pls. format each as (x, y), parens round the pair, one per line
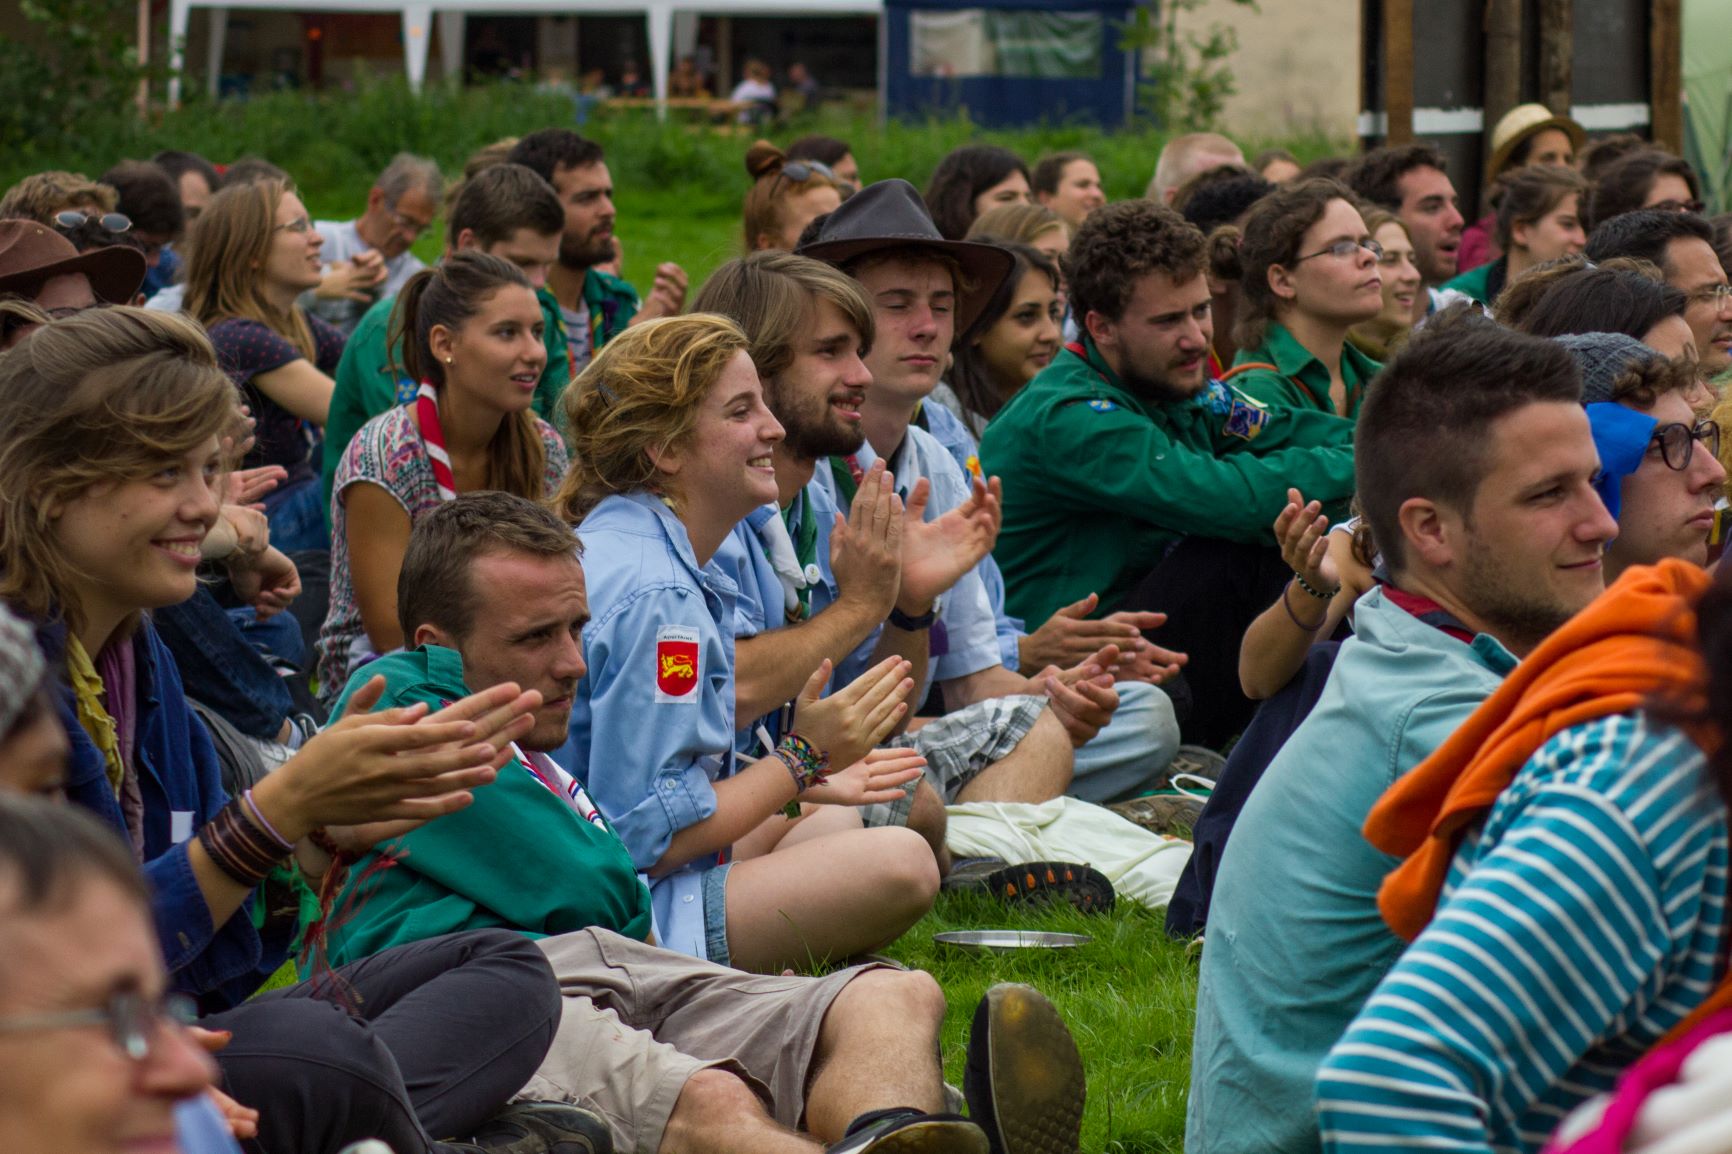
(1247, 367)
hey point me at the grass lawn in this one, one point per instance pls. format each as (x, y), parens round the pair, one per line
(1128, 997)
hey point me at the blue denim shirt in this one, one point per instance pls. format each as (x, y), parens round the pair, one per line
(181, 783)
(758, 605)
(653, 723)
(948, 430)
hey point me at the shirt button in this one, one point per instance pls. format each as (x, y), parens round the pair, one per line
(667, 787)
(688, 897)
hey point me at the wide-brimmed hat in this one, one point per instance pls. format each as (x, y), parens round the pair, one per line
(1520, 123)
(32, 253)
(890, 214)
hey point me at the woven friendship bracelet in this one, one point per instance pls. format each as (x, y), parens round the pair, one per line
(807, 765)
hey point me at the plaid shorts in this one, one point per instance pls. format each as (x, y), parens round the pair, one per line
(957, 747)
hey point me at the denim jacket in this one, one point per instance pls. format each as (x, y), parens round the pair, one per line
(652, 727)
(181, 783)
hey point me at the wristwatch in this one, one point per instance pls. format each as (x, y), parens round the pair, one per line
(914, 624)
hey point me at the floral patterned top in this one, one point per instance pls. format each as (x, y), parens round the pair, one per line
(387, 452)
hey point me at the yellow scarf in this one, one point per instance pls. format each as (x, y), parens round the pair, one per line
(88, 690)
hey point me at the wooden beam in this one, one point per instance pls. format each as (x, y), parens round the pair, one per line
(1503, 64)
(1666, 73)
(1398, 70)
(1557, 53)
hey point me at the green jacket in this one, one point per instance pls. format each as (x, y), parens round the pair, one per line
(1298, 380)
(519, 857)
(1099, 483)
(1484, 283)
(370, 380)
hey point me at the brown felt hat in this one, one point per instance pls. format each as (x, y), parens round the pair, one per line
(32, 254)
(890, 214)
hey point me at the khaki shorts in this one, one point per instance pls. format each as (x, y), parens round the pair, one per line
(638, 1021)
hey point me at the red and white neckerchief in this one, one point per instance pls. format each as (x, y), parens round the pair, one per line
(552, 775)
(433, 440)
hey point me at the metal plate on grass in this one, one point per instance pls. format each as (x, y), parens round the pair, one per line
(1011, 940)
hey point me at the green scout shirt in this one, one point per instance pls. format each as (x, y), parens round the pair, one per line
(1484, 283)
(612, 304)
(370, 380)
(518, 857)
(1299, 380)
(1099, 483)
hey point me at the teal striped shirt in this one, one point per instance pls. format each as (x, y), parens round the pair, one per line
(1579, 924)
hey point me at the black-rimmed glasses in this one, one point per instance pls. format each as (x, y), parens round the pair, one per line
(1678, 441)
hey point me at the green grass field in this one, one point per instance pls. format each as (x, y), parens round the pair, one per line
(1127, 995)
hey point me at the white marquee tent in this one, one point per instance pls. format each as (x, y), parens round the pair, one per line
(418, 18)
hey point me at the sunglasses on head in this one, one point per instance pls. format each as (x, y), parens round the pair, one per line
(112, 221)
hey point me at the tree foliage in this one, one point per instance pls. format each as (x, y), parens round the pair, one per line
(76, 66)
(1189, 77)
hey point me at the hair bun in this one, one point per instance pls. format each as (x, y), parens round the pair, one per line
(764, 159)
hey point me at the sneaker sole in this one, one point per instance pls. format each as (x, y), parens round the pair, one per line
(1038, 1088)
(1082, 886)
(934, 1137)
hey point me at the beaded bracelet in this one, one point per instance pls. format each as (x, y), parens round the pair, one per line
(1313, 590)
(240, 848)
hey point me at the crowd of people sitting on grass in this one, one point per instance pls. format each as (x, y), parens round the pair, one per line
(501, 709)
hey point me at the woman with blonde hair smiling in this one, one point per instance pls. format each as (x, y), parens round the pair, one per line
(251, 254)
(672, 447)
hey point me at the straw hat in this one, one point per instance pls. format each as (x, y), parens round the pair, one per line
(1521, 123)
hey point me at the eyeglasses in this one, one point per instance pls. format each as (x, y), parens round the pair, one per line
(1720, 295)
(408, 224)
(132, 1020)
(302, 226)
(1343, 249)
(1677, 442)
(112, 221)
(1695, 206)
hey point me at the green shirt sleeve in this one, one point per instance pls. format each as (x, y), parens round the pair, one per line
(366, 385)
(1134, 466)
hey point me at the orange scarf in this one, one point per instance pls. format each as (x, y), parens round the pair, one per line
(1635, 645)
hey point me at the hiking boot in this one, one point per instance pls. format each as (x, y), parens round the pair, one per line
(1024, 1077)
(1192, 761)
(542, 1128)
(1162, 813)
(1036, 882)
(911, 1132)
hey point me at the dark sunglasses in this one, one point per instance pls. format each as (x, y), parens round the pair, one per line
(112, 221)
(1677, 442)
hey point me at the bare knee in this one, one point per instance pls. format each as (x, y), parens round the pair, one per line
(711, 1098)
(911, 998)
(907, 869)
(1048, 742)
(927, 818)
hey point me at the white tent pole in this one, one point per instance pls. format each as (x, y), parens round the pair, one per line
(416, 19)
(178, 11)
(451, 33)
(213, 56)
(661, 30)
